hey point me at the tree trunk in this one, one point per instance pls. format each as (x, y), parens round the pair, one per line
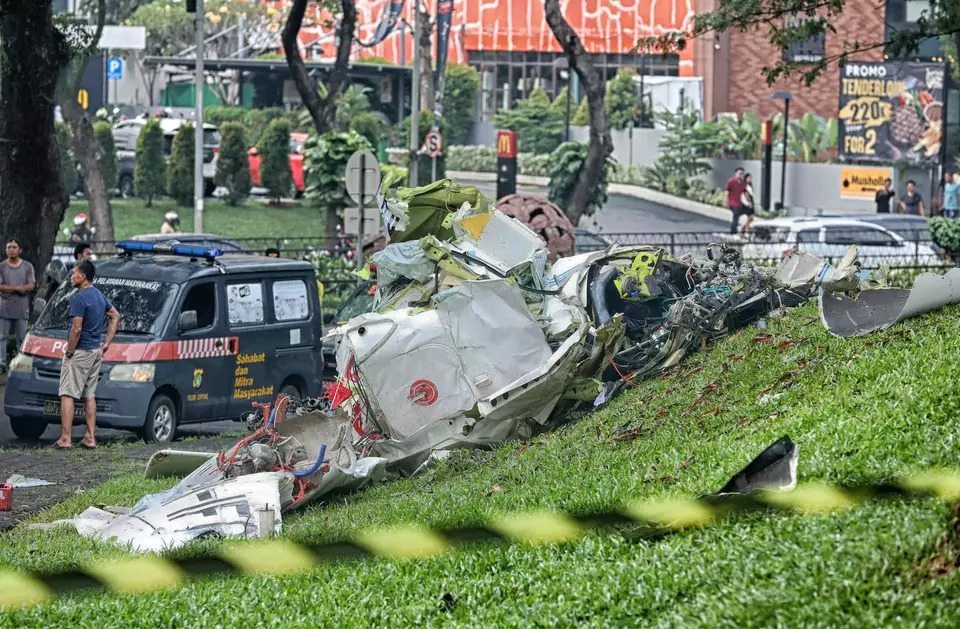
(32, 195)
(86, 146)
(428, 81)
(322, 110)
(601, 146)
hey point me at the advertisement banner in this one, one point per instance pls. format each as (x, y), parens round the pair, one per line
(891, 111)
(388, 21)
(444, 19)
(862, 182)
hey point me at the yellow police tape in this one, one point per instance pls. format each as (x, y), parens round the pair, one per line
(637, 520)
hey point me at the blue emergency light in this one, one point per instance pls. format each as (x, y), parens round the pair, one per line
(173, 248)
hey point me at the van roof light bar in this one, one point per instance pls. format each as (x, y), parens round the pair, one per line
(172, 248)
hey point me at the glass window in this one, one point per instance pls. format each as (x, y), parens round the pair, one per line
(245, 303)
(290, 300)
(202, 298)
(808, 236)
(139, 302)
(916, 8)
(488, 88)
(854, 236)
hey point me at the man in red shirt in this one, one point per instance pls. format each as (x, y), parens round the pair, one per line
(735, 188)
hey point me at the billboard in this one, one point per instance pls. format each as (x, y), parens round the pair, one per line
(891, 111)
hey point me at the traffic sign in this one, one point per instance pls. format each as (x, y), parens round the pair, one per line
(433, 143)
(363, 177)
(114, 68)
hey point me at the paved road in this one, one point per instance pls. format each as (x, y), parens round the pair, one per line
(624, 214)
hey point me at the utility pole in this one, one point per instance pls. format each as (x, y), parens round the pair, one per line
(241, 44)
(198, 131)
(415, 100)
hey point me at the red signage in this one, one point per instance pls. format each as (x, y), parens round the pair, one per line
(506, 144)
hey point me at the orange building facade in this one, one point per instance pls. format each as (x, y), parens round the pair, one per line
(511, 44)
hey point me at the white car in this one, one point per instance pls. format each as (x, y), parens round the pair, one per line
(829, 238)
(126, 132)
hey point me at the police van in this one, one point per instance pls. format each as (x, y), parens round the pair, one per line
(202, 335)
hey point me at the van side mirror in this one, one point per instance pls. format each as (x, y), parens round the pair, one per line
(38, 305)
(188, 320)
(328, 318)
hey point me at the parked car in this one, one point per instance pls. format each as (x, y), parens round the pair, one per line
(211, 241)
(199, 340)
(125, 136)
(829, 238)
(912, 228)
(296, 163)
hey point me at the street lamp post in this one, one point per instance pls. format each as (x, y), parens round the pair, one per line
(785, 97)
(198, 130)
(564, 64)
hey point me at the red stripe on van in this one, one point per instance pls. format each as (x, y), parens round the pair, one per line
(141, 352)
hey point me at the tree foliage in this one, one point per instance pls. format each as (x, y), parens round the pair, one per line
(233, 164)
(564, 170)
(539, 127)
(180, 168)
(68, 161)
(274, 150)
(325, 165)
(941, 18)
(150, 166)
(623, 104)
(109, 165)
(581, 117)
(460, 87)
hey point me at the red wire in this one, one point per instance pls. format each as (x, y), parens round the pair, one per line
(622, 377)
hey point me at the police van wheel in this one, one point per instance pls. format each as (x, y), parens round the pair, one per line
(291, 390)
(161, 424)
(28, 429)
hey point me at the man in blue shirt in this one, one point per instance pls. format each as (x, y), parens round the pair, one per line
(951, 195)
(80, 370)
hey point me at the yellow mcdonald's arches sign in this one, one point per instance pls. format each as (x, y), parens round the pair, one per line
(83, 97)
(506, 144)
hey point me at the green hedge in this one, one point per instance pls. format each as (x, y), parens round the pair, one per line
(254, 121)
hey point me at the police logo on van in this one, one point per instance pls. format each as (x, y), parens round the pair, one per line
(197, 378)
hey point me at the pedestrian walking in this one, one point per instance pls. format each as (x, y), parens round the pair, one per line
(17, 281)
(746, 201)
(884, 196)
(80, 371)
(951, 195)
(912, 201)
(735, 189)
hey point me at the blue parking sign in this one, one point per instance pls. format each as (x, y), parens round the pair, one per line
(114, 68)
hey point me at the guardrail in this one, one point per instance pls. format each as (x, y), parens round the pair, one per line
(910, 250)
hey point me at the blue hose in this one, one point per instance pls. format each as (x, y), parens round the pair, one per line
(273, 415)
(316, 466)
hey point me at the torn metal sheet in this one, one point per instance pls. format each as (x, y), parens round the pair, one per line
(774, 469)
(165, 463)
(879, 309)
(236, 507)
(19, 480)
(800, 268)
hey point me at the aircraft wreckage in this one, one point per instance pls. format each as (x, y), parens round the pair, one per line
(475, 339)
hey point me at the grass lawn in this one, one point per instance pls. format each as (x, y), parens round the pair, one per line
(250, 220)
(860, 410)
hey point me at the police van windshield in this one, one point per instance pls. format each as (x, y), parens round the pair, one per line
(140, 304)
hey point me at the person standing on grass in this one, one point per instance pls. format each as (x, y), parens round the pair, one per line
(17, 281)
(912, 201)
(735, 188)
(883, 197)
(951, 195)
(746, 201)
(84, 352)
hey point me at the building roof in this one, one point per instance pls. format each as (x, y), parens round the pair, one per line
(216, 65)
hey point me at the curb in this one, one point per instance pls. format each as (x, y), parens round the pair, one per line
(636, 192)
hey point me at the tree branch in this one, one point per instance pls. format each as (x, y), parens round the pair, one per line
(600, 146)
(305, 85)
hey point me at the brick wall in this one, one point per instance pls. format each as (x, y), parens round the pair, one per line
(862, 20)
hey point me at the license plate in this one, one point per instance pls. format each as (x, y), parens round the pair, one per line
(53, 408)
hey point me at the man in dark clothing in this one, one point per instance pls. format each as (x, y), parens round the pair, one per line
(912, 201)
(735, 188)
(80, 370)
(883, 197)
(17, 281)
